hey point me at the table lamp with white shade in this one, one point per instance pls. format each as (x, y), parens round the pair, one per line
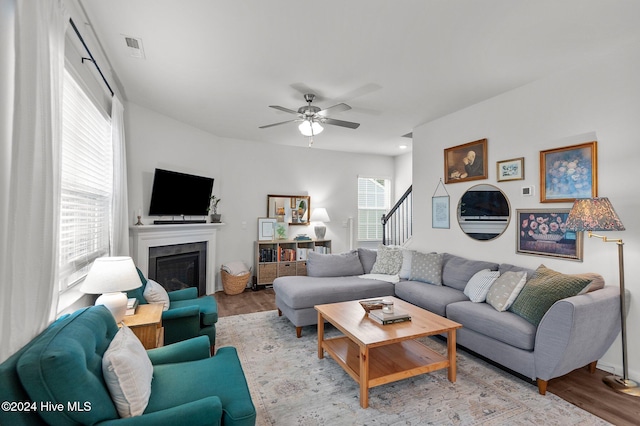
(110, 276)
(320, 216)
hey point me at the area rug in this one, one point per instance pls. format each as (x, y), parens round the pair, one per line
(290, 386)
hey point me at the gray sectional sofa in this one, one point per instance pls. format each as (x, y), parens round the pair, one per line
(574, 332)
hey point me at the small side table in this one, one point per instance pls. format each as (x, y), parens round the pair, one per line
(146, 323)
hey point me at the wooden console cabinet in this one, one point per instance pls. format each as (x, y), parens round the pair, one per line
(282, 258)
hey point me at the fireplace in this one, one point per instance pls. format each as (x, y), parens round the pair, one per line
(179, 266)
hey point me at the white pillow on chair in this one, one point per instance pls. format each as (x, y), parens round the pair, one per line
(127, 371)
(155, 293)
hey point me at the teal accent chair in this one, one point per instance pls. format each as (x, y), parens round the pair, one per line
(188, 315)
(63, 365)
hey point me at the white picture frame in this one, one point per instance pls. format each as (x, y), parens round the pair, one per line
(440, 212)
(266, 229)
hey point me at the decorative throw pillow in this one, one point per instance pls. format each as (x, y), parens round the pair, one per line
(505, 289)
(597, 281)
(427, 267)
(478, 286)
(127, 372)
(334, 265)
(155, 293)
(388, 261)
(405, 269)
(544, 289)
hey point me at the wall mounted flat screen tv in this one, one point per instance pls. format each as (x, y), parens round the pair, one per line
(179, 194)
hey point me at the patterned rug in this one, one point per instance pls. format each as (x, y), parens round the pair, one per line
(291, 386)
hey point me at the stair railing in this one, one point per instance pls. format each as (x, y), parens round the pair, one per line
(397, 225)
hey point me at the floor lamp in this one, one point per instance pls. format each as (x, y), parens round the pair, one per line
(597, 214)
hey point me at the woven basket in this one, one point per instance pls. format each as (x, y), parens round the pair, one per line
(234, 284)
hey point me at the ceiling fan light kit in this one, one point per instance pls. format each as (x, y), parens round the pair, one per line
(311, 117)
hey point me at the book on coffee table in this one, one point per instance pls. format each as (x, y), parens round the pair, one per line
(383, 318)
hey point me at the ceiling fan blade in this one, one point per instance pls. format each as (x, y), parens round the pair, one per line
(333, 109)
(340, 123)
(290, 111)
(277, 124)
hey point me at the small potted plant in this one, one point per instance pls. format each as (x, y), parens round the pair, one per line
(213, 207)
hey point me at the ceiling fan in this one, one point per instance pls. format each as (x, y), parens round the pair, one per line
(311, 117)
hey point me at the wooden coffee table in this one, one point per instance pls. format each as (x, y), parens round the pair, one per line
(374, 354)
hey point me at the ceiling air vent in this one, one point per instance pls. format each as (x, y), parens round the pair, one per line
(134, 46)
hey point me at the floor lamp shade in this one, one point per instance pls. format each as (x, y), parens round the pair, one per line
(321, 216)
(597, 214)
(110, 276)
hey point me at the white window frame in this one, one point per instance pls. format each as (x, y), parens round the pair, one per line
(370, 212)
(86, 183)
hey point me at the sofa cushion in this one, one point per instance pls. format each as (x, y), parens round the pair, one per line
(426, 267)
(65, 365)
(597, 281)
(306, 292)
(155, 293)
(127, 373)
(207, 305)
(367, 258)
(405, 270)
(503, 326)
(457, 271)
(334, 265)
(388, 261)
(505, 289)
(507, 267)
(478, 286)
(544, 289)
(433, 298)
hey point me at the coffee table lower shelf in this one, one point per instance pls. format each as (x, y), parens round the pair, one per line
(388, 363)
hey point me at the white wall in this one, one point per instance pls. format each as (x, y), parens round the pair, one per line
(245, 172)
(403, 174)
(600, 100)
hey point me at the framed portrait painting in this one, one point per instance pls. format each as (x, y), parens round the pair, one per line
(466, 162)
(568, 173)
(542, 232)
(510, 169)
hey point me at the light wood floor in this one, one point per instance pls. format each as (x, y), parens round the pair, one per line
(579, 387)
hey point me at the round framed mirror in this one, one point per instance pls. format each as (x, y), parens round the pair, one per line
(483, 212)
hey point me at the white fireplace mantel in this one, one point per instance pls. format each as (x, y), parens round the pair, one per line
(147, 236)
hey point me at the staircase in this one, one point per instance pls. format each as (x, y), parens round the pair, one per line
(397, 225)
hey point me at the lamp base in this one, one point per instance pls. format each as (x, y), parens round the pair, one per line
(320, 231)
(116, 303)
(618, 384)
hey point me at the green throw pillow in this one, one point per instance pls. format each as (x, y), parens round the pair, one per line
(544, 289)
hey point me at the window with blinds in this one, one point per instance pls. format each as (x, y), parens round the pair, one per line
(86, 184)
(373, 201)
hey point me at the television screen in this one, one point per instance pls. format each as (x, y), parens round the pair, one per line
(483, 203)
(176, 194)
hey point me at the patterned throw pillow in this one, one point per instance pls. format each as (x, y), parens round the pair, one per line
(478, 286)
(427, 267)
(388, 261)
(544, 289)
(505, 289)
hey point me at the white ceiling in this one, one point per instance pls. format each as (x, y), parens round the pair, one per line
(218, 65)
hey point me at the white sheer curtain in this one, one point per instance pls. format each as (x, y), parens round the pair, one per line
(28, 259)
(121, 214)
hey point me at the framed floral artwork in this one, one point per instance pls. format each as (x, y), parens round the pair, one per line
(542, 232)
(466, 162)
(510, 169)
(569, 173)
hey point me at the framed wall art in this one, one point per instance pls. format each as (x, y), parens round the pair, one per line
(466, 162)
(542, 232)
(510, 169)
(266, 229)
(568, 173)
(440, 212)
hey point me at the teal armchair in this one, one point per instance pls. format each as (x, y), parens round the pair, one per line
(63, 366)
(188, 315)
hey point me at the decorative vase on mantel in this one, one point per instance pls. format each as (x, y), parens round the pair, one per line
(216, 218)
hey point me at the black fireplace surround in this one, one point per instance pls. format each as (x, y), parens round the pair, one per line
(179, 266)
